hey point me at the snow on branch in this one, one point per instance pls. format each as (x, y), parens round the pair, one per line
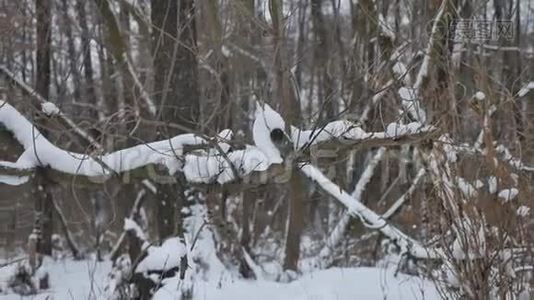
(39, 152)
(346, 133)
(325, 255)
(217, 164)
(368, 217)
(48, 107)
(423, 70)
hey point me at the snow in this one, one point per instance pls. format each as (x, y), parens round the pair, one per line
(164, 257)
(335, 283)
(396, 129)
(347, 131)
(50, 109)
(480, 96)
(267, 120)
(130, 224)
(492, 184)
(86, 280)
(523, 211)
(41, 152)
(410, 102)
(525, 89)
(508, 194)
(337, 233)
(217, 168)
(69, 279)
(200, 166)
(13, 180)
(467, 189)
(384, 28)
(368, 217)
(337, 129)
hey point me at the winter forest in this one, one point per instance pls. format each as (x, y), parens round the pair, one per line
(266, 149)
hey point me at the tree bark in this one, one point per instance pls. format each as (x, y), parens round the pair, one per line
(71, 50)
(176, 91)
(291, 113)
(41, 194)
(86, 51)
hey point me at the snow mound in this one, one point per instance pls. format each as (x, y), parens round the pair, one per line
(86, 280)
(164, 257)
(335, 283)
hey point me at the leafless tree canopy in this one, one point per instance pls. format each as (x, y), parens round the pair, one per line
(285, 136)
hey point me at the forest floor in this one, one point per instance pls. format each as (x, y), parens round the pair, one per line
(86, 279)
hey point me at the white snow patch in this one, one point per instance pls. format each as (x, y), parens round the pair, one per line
(523, 211)
(467, 189)
(525, 89)
(334, 283)
(266, 121)
(13, 179)
(410, 102)
(396, 129)
(130, 224)
(164, 257)
(492, 184)
(480, 96)
(41, 152)
(50, 109)
(508, 194)
(69, 279)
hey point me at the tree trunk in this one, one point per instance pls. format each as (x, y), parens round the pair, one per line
(175, 89)
(291, 113)
(71, 50)
(41, 194)
(86, 52)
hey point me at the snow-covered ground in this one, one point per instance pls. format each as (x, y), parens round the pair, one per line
(86, 280)
(69, 279)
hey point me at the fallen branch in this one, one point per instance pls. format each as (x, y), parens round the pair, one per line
(325, 255)
(369, 218)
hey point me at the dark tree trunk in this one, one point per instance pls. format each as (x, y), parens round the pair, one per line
(71, 50)
(41, 193)
(321, 46)
(290, 108)
(176, 91)
(86, 52)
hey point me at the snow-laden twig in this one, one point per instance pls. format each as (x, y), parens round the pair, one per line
(398, 204)
(425, 65)
(525, 89)
(151, 106)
